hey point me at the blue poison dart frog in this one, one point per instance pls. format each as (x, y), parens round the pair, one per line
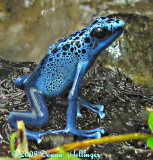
(64, 67)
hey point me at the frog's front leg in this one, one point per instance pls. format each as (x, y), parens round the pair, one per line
(38, 115)
(95, 108)
(83, 103)
(72, 108)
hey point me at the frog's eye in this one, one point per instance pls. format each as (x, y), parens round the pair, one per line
(99, 33)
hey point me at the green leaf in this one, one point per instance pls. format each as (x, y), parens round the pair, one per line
(150, 121)
(150, 142)
(13, 136)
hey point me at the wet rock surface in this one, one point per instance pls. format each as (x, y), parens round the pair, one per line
(132, 52)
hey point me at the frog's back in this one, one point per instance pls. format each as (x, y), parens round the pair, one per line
(56, 71)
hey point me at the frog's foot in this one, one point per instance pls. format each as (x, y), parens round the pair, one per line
(93, 133)
(95, 108)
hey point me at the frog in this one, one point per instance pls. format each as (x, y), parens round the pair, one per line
(63, 69)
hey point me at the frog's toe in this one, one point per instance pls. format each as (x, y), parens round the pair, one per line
(99, 107)
(79, 114)
(38, 138)
(93, 133)
(78, 109)
(89, 135)
(98, 135)
(95, 108)
(101, 130)
(101, 114)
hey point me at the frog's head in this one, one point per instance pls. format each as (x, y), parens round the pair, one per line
(102, 32)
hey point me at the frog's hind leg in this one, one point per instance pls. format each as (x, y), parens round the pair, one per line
(95, 108)
(38, 115)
